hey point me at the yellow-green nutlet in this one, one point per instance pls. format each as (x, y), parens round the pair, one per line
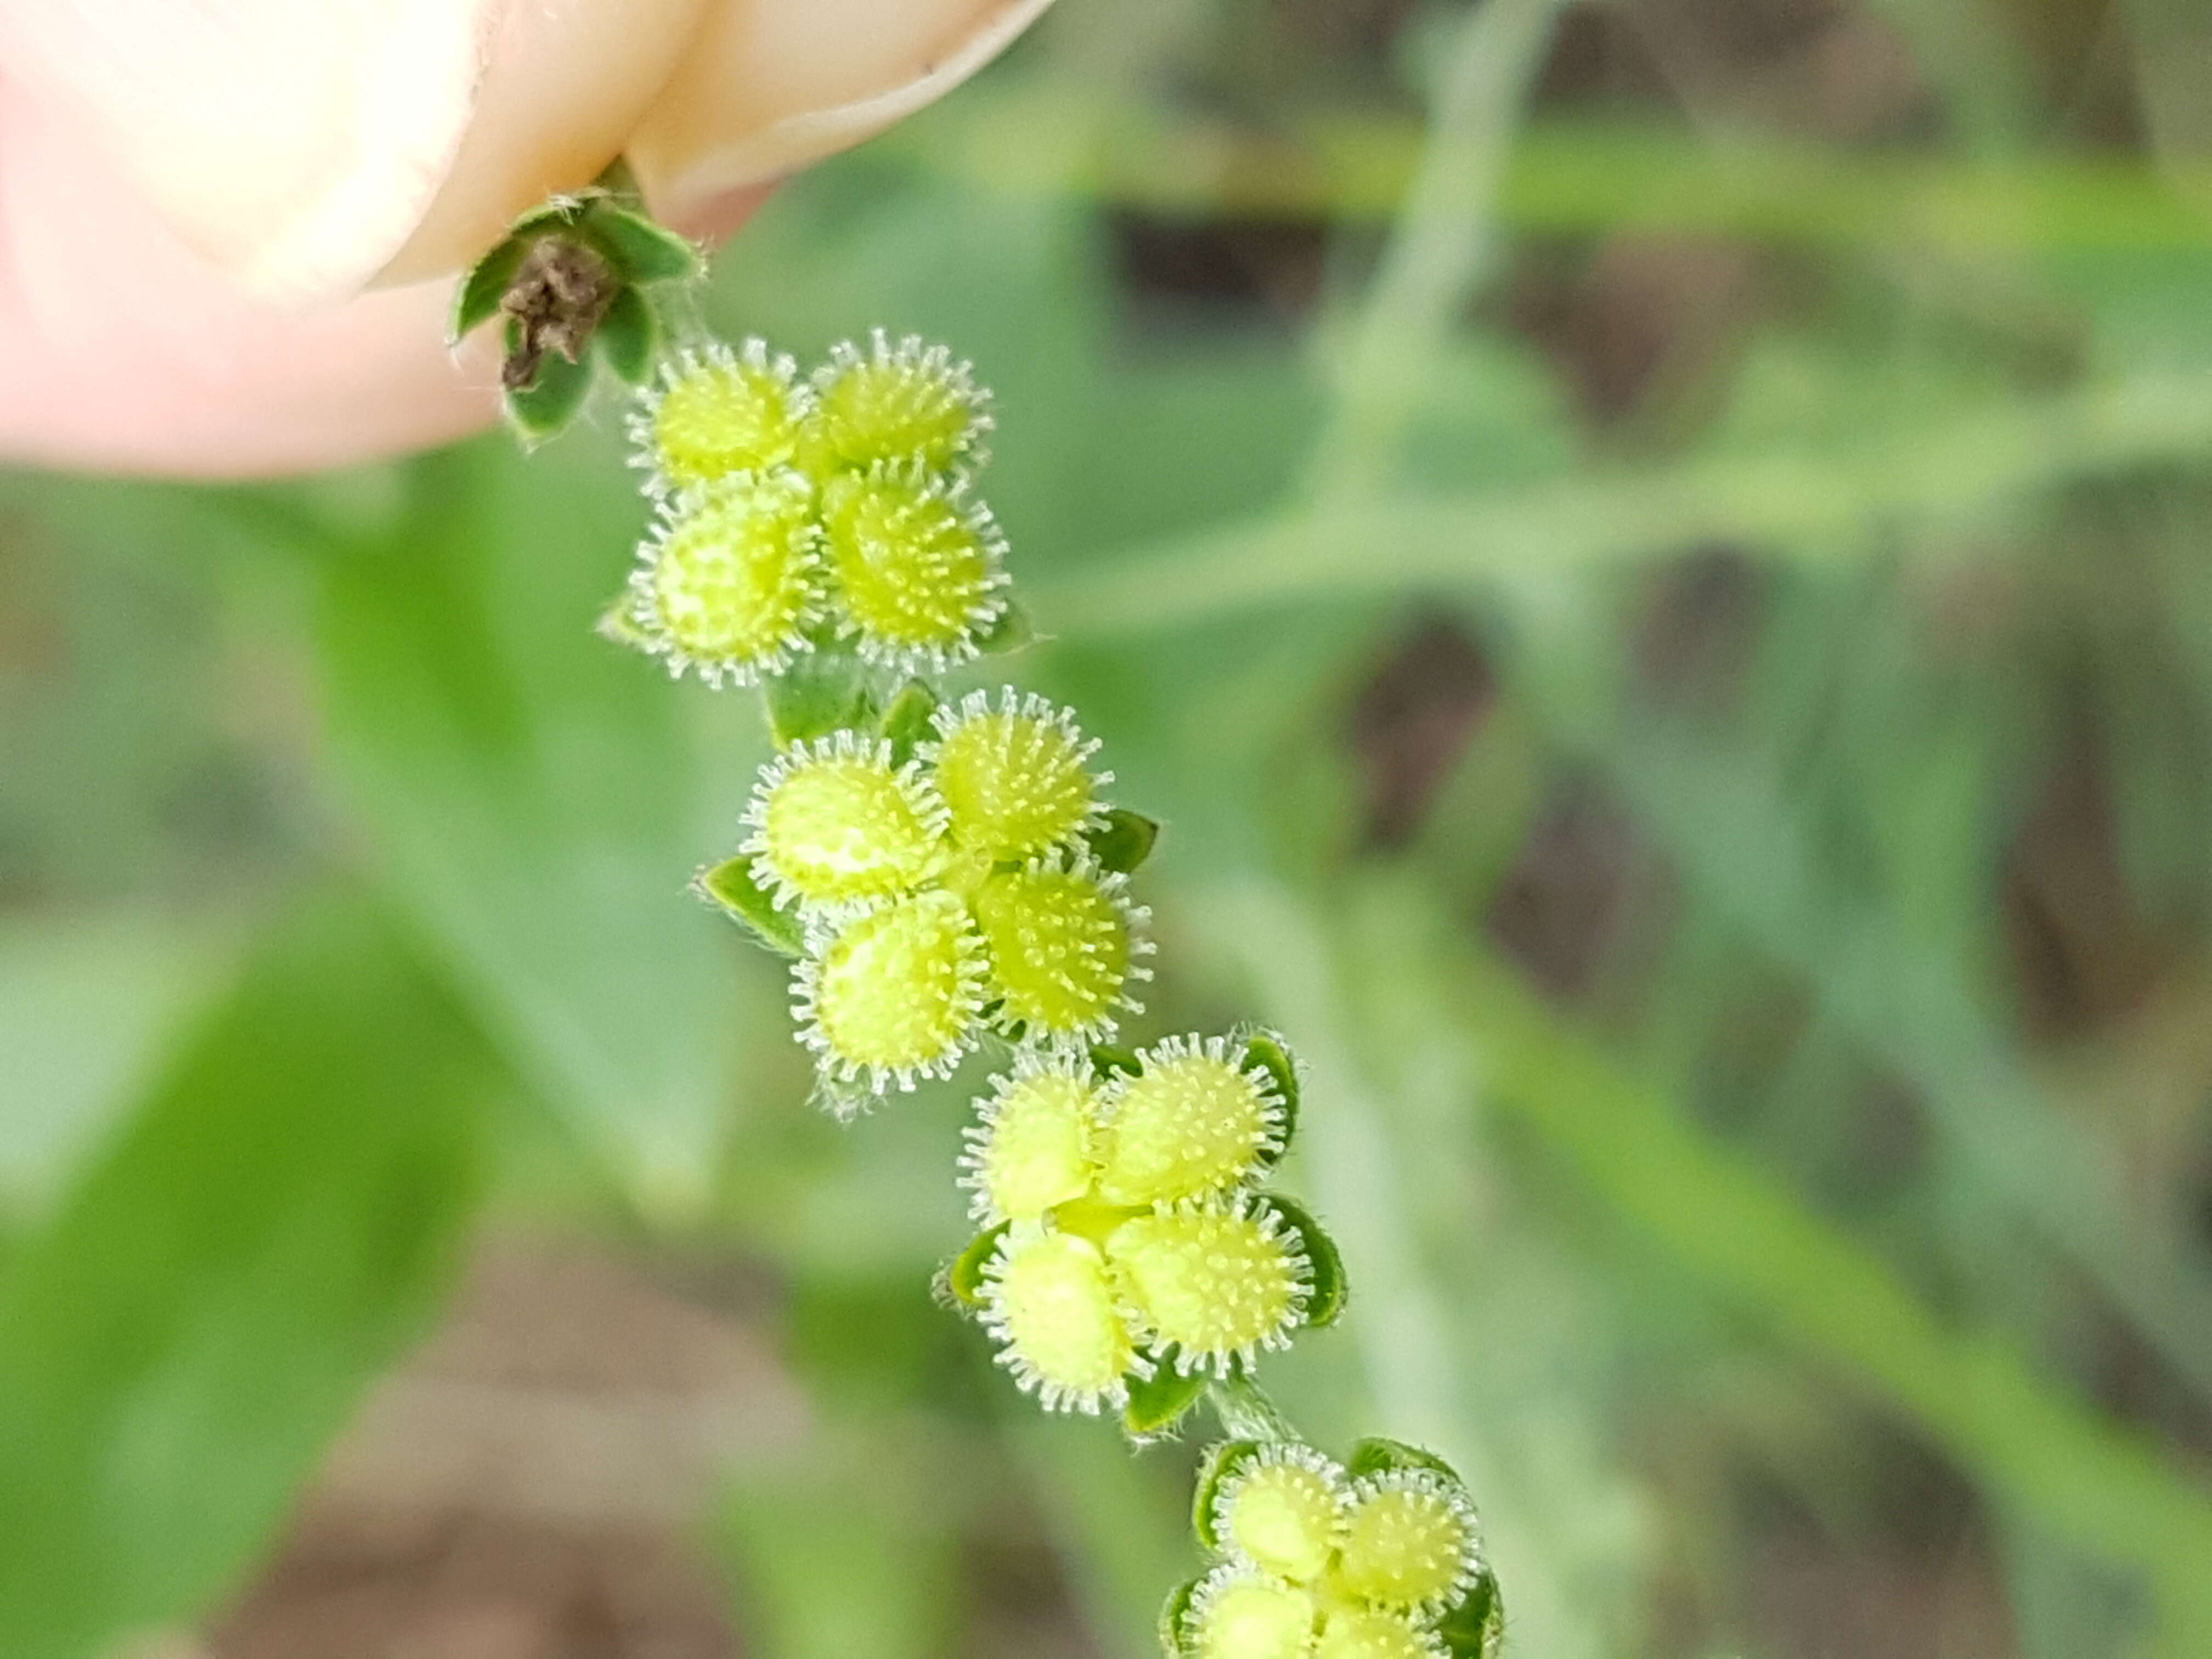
(1049, 1298)
(1064, 943)
(717, 412)
(894, 996)
(1213, 1283)
(836, 822)
(1282, 1511)
(731, 578)
(1409, 1541)
(1029, 1150)
(917, 566)
(1015, 779)
(1192, 1122)
(898, 405)
(1238, 1614)
(1356, 1633)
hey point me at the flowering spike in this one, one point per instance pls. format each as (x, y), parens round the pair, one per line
(1410, 1542)
(835, 823)
(896, 995)
(717, 413)
(1032, 1148)
(1193, 1123)
(1063, 941)
(1016, 778)
(1049, 1299)
(731, 578)
(1375, 1633)
(908, 404)
(1215, 1283)
(1238, 1614)
(919, 567)
(1281, 1511)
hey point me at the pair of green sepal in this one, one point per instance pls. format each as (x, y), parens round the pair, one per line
(1157, 1404)
(600, 234)
(1474, 1627)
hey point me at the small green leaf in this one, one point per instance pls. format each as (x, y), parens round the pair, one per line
(550, 403)
(1266, 1050)
(730, 884)
(1010, 630)
(818, 694)
(1124, 841)
(1222, 1459)
(907, 721)
(266, 1233)
(1157, 1404)
(1325, 1301)
(1106, 1059)
(628, 337)
(485, 285)
(642, 249)
(1378, 1456)
(1174, 1619)
(964, 1278)
(1475, 1628)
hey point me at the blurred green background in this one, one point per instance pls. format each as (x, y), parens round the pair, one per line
(1652, 558)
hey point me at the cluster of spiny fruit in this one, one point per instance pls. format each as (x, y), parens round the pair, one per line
(946, 874)
(796, 514)
(1380, 1558)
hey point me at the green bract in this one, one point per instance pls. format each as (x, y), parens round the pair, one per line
(574, 278)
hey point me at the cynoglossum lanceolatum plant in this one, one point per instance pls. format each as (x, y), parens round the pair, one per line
(950, 880)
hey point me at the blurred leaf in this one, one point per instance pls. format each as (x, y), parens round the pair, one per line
(178, 1345)
(2100, 1484)
(1122, 1521)
(845, 1554)
(89, 1007)
(534, 799)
